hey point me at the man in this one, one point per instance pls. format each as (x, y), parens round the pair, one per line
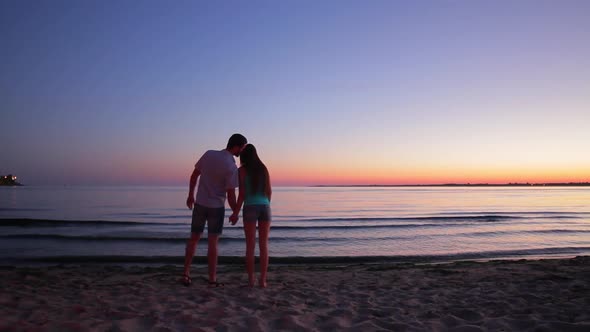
(219, 177)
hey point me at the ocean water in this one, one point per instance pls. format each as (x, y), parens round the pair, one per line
(151, 224)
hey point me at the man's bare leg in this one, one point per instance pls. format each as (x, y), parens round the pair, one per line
(212, 257)
(191, 247)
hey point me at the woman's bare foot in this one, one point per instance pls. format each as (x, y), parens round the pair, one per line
(251, 282)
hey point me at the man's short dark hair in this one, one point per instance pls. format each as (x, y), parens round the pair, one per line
(236, 140)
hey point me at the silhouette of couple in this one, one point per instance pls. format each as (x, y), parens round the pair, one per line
(219, 178)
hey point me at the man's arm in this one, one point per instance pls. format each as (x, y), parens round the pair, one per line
(231, 198)
(190, 201)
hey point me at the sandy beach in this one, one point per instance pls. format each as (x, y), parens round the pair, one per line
(524, 295)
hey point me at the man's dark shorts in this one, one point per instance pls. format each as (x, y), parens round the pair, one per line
(212, 216)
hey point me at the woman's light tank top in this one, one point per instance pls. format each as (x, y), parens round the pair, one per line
(258, 198)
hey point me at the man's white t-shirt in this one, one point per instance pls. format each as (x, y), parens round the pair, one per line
(218, 174)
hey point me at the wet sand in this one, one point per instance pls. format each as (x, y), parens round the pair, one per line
(524, 295)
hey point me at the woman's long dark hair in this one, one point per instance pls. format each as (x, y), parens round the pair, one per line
(255, 169)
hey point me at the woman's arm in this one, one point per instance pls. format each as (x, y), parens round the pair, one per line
(268, 189)
(241, 190)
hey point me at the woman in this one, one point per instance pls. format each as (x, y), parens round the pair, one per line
(254, 193)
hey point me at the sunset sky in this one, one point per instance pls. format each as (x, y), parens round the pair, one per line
(331, 92)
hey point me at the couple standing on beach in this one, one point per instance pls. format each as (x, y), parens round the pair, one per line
(219, 178)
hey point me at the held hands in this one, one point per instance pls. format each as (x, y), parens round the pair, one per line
(233, 219)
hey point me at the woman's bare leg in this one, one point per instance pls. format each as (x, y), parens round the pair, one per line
(263, 231)
(250, 233)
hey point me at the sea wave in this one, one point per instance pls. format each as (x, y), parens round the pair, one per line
(25, 222)
(239, 260)
(8, 209)
(293, 238)
(428, 221)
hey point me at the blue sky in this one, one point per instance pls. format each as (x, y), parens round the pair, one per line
(133, 92)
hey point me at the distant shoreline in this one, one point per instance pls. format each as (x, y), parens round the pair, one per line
(10, 184)
(566, 184)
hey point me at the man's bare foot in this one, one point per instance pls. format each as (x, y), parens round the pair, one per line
(262, 284)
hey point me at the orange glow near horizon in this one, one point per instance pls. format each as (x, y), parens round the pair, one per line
(289, 173)
(426, 176)
(170, 174)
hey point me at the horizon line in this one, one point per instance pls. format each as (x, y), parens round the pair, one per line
(513, 184)
(468, 184)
